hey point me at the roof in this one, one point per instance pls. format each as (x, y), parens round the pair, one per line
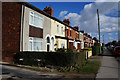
(44, 13)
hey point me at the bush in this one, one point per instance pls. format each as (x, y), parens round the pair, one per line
(102, 49)
(95, 49)
(50, 58)
(61, 50)
(87, 48)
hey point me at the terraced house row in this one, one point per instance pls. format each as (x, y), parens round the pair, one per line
(27, 28)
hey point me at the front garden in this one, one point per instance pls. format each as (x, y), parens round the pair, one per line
(65, 61)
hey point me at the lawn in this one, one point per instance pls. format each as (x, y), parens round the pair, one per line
(91, 67)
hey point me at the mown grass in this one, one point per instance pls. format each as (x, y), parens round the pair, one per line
(91, 67)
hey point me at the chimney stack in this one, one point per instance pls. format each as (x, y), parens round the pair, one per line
(48, 10)
(66, 21)
(76, 27)
(82, 31)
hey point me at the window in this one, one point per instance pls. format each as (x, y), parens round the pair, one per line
(70, 32)
(35, 44)
(57, 29)
(62, 45)
(67, 32)
(36, 20)
(75, 44)
(48, 40)
(76, 35)
(52, 40)
(61, 30)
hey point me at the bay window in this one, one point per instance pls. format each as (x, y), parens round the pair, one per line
(57, 29)
(35, 44)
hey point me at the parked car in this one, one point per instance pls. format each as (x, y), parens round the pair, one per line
(117, 50)
(112, 49)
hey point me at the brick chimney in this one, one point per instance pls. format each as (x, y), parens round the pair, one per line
(82, 31)
(86, 34)
(66, 21)
(48, 10)
(76, 27)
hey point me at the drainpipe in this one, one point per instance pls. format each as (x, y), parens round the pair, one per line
(22, 26)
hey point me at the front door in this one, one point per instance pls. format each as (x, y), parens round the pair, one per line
(48, 48)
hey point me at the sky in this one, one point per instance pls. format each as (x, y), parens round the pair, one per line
(84, 15)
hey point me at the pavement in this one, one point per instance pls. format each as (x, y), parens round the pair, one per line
(110, 67)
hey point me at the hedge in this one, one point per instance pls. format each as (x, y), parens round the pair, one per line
(88, 48)
(96, 49)
(50, 58)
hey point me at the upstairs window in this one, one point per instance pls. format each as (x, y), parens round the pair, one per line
(70, 33)
(67, 32)
(61, 30)
(36, 20)
(57, 29)
(76, 36)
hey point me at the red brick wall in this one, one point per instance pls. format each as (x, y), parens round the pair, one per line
(73, 33)
(11, 25)
(35, 32)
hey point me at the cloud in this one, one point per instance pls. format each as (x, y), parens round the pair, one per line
(87, 19)
(74, 18)
(116, 33)
(111, 38)
(62, 13)
(107, 0)
(109, 33)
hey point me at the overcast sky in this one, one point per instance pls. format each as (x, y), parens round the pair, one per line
(84, 15)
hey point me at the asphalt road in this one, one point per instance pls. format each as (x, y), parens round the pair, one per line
(12, 72)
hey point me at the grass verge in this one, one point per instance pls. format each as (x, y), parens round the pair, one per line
(91, 67)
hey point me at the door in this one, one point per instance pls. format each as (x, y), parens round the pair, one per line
(48, 47)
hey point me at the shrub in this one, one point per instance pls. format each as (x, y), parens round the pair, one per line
(69, 50)
(50, 58)
(88, 48)
(61, 50)
(95, 49)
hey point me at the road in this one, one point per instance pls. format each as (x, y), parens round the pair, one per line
(110, 67)
(23, 73)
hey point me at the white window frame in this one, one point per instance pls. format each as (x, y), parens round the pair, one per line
(61, 30)
(62, 45)
(57, 29)
(32, 40)
(33, 14)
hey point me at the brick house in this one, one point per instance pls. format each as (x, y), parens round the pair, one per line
(27, 28)
(72, 33)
